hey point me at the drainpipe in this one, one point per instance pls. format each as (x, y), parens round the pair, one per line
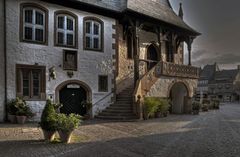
(5, 56)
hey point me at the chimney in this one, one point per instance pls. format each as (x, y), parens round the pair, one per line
(180, 14)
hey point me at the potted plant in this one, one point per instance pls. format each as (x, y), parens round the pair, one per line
(196, 108)
(164, 107)
(11, 110)
(216, 104)
(66, 125)
(205, 107)
(23, 111)
(88, 106)
(151, 106)
(48, 121)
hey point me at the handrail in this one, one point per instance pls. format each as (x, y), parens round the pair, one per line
(102, 98)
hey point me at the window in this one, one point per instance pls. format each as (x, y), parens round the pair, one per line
(93, 34)
(70, 60)
(129, 46)
(33, 23)
(66, 29)
(103, 83)
(31, 82)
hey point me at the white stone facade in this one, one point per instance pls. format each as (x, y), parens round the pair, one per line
(2, 85)
(91, 64)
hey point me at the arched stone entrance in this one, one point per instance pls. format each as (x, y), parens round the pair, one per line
(152, 56)
(179, 96)
(72, 94)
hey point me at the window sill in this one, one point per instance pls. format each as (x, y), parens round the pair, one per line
(65, 46)
(94, 50)
(34, 42)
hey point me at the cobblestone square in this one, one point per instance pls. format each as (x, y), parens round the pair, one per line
(214, 134)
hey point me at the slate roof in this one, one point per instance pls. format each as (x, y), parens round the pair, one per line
(157, 9)
(226, 75)
(207, 73)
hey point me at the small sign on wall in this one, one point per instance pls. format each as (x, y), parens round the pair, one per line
(73, 86)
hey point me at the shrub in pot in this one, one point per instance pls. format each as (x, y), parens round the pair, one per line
(164, 107)
(205, 107)
(23, 111)
(216, 104)
(151, 106)
(66, 125)
(196, 107)
(48, 121)
(11, 110)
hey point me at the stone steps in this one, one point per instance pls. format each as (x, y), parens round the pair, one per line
(122, 109)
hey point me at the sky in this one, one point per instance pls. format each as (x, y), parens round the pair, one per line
(219, 23)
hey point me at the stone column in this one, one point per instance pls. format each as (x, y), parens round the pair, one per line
(136, 52)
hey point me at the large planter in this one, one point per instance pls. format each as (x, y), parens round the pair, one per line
(65, 136)
(21, 119)
(49, 135)
(195, 112)
(12, 118)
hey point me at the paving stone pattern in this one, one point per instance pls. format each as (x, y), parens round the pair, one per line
(211, 134)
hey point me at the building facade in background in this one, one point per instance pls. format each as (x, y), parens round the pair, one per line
(218, 84)
(108, 53)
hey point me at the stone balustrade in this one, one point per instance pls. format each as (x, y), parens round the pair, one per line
(176, 70)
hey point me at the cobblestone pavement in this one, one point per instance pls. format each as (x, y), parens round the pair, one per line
(211, 134)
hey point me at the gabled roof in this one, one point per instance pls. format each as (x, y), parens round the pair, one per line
(226, 75)
(160, 10)
(207, 73)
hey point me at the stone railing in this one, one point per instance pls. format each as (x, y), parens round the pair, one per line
(144, 84)
(176, 70)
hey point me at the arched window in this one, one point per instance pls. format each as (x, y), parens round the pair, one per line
(65, 29)
(93, 34)
(33, 23)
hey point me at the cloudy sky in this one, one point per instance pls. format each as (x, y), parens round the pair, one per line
(219, 23)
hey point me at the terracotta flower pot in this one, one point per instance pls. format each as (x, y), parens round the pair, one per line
(12, 118)
(49, 135)
(65, 136)
(21, 119)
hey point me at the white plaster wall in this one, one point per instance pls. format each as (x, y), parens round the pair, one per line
(89, 62)
(2, 92)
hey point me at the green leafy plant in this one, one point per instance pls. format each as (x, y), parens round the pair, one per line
(196, 106)
(49, 117)
(22, 109)
(11, 107)
(151, 106)
(163, 106)
(67, 123)
(216, 104)
(205, 107)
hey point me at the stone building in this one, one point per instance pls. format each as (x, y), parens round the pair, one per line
(110, 53)
(218, 84)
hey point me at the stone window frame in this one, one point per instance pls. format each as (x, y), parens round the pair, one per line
(92, 20)
(75, 31)
(100, 88)
(42, 81)
(76, 60)
(34, 7)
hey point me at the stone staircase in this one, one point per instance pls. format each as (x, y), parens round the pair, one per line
(122, 109)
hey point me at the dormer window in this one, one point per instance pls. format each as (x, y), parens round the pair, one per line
(66, 29)
(33, 23)
(93, 34)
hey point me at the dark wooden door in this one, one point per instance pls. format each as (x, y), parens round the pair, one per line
(152, 56)
(72, 99)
